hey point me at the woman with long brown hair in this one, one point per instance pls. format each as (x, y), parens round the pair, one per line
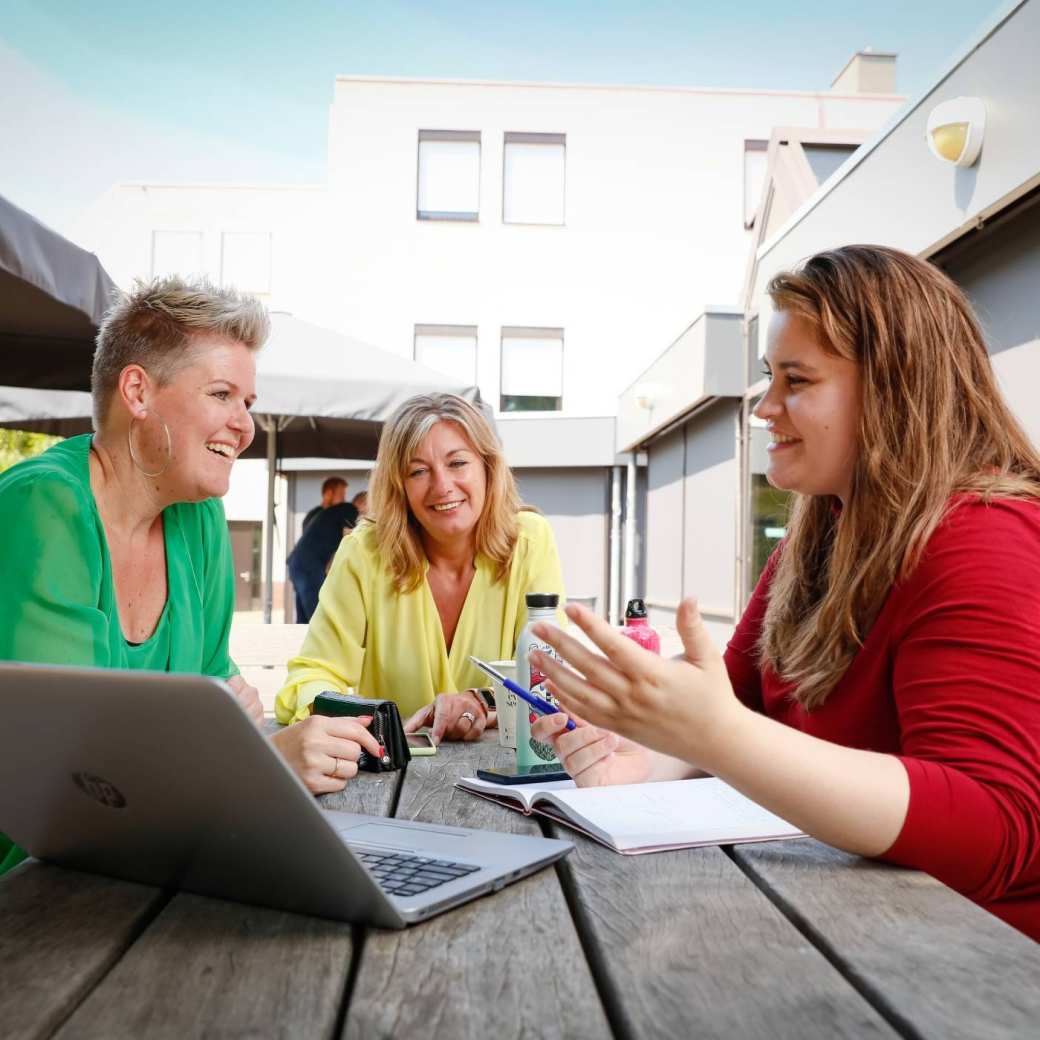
(882, 690)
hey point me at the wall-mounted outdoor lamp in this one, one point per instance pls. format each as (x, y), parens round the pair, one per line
(646, 395)
(955, 130)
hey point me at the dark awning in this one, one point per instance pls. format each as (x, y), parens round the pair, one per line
(52, 297)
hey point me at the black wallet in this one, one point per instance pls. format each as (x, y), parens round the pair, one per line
(386, 727)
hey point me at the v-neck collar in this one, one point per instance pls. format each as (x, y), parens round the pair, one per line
(478, 570)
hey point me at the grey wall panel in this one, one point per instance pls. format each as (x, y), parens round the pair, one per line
(663, 545)
(560, 441)
(999, 269)
(710, 505)
(577, 504)
(660, 617)
(1000, 272)
(1018, 370)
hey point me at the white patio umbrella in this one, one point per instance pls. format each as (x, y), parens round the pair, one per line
(319, 394)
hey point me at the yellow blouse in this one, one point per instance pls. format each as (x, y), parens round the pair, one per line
(390, 645)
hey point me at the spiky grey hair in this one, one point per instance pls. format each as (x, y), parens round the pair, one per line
(157, 323)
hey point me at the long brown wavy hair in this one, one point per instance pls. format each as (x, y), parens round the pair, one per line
(397, 531)
(933, 424)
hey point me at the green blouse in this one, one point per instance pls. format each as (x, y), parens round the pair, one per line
(58, 602)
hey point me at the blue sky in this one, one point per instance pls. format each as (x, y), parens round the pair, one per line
(240, 91)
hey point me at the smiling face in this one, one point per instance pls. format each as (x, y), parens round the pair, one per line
(446, 484)
(811, 409)
(206, 407)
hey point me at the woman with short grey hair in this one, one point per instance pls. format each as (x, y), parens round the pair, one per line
(116, 552)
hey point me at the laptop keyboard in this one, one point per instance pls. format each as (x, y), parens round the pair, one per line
(402, 874)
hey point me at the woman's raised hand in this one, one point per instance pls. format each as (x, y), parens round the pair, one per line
(673, 706)
(323, 750)
(451, 716)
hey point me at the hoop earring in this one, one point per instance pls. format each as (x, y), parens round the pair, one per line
(133, 457)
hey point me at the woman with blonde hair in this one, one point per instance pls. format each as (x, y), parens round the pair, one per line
(882, 690)
(439, 572)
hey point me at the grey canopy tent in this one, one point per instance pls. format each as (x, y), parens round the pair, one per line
(319, 394)
(52, 297)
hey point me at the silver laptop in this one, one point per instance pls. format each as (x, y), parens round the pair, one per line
(163, 779)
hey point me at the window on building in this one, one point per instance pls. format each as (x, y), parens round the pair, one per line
(768, 507)
(451, 349)
(532, 370)
(177, 252)
(245, 261)
(769, 514)
(449, 175)
(533, 178)
(755, 155)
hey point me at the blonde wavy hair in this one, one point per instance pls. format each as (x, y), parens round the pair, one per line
(398, 534)
(933, 424)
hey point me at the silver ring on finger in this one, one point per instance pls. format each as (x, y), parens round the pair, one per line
(468, 715)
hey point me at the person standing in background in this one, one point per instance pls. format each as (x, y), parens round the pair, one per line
(309, 561)
(360, 503)
(333, 493)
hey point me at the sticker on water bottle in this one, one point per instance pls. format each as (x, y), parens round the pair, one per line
(544, 751)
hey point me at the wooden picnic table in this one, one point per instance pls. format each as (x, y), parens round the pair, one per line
(787, 939)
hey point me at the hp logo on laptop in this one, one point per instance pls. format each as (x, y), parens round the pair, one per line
(100, 790)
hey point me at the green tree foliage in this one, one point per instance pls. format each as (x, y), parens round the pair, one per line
(16, 445)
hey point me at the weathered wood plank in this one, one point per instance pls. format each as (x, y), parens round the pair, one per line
(371, 793)
(60, 933)
(508, 966)
(931, 958)
(207, 968)
(686, 945)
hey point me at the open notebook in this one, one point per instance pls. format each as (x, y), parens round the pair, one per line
(634, 818)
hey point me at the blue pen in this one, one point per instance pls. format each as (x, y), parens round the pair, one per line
(536, 702)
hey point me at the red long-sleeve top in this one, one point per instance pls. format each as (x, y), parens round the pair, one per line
(948, 679)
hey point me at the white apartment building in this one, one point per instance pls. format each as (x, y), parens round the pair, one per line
(545, 241)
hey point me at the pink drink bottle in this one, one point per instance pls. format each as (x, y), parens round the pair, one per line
(638, 629)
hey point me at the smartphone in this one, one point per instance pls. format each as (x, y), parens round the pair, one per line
(421, 743)
(545, 774)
